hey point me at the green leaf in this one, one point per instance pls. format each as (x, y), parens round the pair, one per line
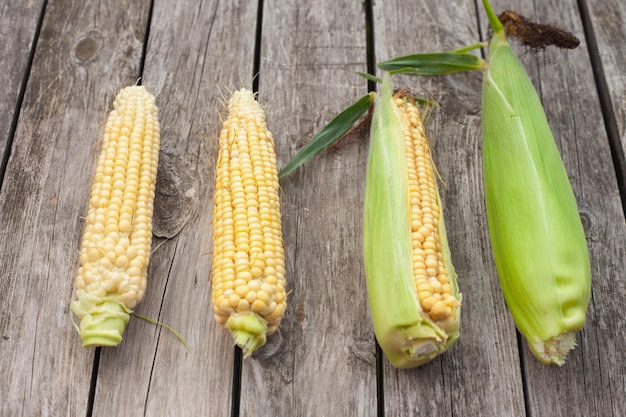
(471, 47)
(370, 77)
(332, 132)
(435, 63)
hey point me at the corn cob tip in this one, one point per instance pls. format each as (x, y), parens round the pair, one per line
(554, 350)
(102, 320)
(248, 330)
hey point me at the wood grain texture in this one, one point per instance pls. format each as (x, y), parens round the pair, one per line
(480, 375)
(609, 329)
(593, 379)
(197, 53)
(70, 88)
(324, 364)
(18, 26)
(607, 18)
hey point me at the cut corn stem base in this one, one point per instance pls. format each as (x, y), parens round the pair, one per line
(422, 351)
(102, 320)
(554, 351)
(422, 342)
(248, 330)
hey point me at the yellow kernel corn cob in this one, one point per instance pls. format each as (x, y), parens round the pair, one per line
(248, 285)
(429, 271)
(413, 295)
(116, 244)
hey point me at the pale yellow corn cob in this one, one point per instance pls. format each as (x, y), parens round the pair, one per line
(115, 249)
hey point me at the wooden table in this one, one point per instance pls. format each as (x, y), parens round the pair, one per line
(61, 63)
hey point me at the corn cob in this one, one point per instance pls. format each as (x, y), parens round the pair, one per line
(536, 233)
(412, 289)
(115, 248)
(248, 287)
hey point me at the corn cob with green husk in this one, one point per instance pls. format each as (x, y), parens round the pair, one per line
(116, 244)
(412, 289)
(536, 233)
(248, 283)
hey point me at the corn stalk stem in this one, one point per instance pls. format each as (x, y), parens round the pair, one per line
(495, 23)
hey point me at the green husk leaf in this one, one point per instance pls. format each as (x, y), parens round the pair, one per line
(332, 132)
(471, 47)
(102, 320)
(370, 77)
(404, 331)
(249, 331)
(434, 63)
(537, 237)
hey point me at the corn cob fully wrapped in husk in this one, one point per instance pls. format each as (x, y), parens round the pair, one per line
(412, 289)
(536, 233)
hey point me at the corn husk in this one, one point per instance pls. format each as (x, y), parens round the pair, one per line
(406, 334)
(536, 233)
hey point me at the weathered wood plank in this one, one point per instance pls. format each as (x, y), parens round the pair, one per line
(197, 52)
(479, 375)
(82, 56)
(592, 381)
(607, 18)
(324, 365)
(18, 25)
